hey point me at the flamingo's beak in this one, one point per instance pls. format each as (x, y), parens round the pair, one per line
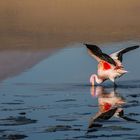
(92, 80)
(92, 83)
(125, 71)
(122, 71)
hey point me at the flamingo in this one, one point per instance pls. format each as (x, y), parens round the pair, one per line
(109, 66)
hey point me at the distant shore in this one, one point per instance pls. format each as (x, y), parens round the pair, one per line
(38, 25)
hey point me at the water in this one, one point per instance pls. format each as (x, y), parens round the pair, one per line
(53, 100)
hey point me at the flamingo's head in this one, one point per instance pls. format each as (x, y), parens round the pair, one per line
(94, 78)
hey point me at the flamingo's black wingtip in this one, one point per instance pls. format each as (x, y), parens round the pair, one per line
(89, 45)
(85, 44)
(136, 46)
(131, 48)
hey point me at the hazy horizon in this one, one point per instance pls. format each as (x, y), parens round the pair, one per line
(45, 23)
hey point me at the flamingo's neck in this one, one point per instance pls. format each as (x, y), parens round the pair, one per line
(94, 78)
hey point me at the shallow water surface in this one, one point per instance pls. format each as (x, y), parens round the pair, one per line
(53, 100)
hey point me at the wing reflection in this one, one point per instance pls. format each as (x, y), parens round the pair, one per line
(110, 105)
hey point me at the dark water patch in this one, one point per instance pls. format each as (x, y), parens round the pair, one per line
(41, 107)
(133, 95)
(13, 121)
(112, 121)
(30, 108)
(134, 138)
(129, 119)
(19, 101)
(61, 128)
(65, 117)
(22, 113)
(67, 100)
(58, 128)
(77, 125)
(92, 106)
(53, 116)
(12, 137)
(15, 109)
(95, 127)
(66, 120)
(48, 94)
(12, 103)
(133, 114)
(2, 130)
(122, 118)
(131, 105)
(134, 102)
(64, 106)
(65, 139)
(105, 136)
(82, 114)
(68, 106)
(118, 128)
(26, 96)
(100, 127)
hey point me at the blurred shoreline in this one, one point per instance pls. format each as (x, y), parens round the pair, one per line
(15, 62)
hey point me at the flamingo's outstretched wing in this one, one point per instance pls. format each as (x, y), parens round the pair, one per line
(97, 53)
(119, 54)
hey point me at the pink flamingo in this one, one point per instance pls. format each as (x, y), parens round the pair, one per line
(110, 66)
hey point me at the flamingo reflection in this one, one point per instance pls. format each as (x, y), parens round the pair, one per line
(110, 105)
